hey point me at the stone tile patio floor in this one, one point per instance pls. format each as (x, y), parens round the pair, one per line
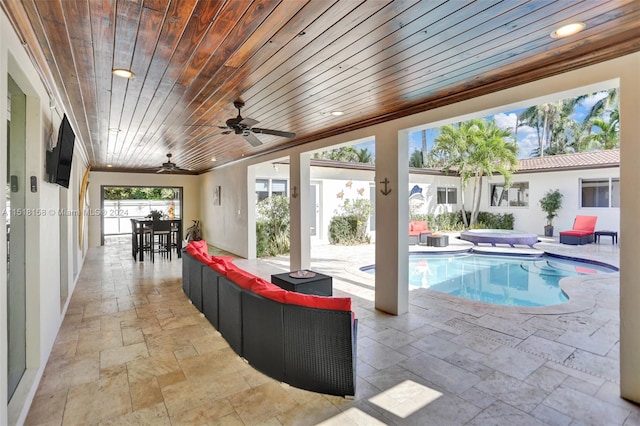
(133, 350)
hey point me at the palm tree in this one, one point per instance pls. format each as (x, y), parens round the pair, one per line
(344, 153)
(364, 156)
(608, 103)
(550, 121)
(475, 149)
(416, 159)
(608, 137)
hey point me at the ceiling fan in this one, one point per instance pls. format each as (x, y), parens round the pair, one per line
(170, 167)
(244, 127)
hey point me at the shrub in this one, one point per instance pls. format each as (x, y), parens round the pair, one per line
(445, 222)
(349, 226)
(272, 226)
(488, 220)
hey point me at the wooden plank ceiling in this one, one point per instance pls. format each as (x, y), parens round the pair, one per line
(293, 62)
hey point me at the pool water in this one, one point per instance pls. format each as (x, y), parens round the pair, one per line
(500, 280)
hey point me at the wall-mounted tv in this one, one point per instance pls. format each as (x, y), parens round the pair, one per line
(59, 160)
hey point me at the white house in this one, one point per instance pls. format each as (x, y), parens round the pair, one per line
(589, 182)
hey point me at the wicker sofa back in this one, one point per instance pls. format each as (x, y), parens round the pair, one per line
(306, 347)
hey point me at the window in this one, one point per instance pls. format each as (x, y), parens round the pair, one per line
(262, 189)
(517, 195)
(600, 192)
(279, 187)
(265, 188)
(447, 196)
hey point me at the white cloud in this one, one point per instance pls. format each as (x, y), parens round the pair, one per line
(506, 121)
(527, 144)
(591, 100)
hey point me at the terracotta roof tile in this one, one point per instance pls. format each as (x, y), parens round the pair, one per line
(579, 160)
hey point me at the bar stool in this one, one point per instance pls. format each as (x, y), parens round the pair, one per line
(135, 237)
(162, 244)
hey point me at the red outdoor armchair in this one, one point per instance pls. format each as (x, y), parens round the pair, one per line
(582, 232)
(417, 228)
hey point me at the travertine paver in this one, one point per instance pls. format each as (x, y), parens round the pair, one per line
(133, 350)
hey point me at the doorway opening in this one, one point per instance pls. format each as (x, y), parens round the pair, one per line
(120, 204)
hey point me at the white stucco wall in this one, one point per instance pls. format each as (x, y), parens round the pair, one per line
(190, 195)
(533, 219)
(44, 308)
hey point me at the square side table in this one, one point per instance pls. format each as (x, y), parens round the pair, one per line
(319, 285)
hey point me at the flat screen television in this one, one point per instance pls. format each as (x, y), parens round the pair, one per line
(59, 160)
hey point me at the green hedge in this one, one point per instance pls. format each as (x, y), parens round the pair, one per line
(453, 221)
(272, 226)
(349, 225)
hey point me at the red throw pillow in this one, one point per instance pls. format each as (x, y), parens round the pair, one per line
(197, 247)
(320, 302)
(266, 289)
(243, 278)
(222, 258)
(222, 264)
(218, 267)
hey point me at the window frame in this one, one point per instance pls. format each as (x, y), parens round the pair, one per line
(449, 192)
(506, 192)
(610, 196)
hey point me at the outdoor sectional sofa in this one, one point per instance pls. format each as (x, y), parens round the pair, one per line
(304, 340)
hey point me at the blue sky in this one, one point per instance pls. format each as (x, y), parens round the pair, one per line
(527, 139)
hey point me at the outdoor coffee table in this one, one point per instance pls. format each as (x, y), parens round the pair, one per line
(612, 234)
(437, 240)
(307, 282)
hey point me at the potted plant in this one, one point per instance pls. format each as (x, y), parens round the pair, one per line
(550, 204)
(194, 233)
(155, 215)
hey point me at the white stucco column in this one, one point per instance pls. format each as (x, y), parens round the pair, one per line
(630, 230)
(392, 220)
(299, 181)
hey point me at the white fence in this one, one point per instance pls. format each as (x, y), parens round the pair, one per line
(117, 214)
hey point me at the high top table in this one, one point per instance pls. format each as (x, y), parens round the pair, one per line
(141, 223)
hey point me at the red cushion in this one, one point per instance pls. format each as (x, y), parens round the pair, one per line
(243, 278)
(222, 263)
(218, 267)
(418, 227)
(223, 258)
(266, 289)
(197, 247)
(576, 233)
(585, 223)
(320, 302)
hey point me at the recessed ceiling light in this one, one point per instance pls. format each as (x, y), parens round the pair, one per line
(214, 159)
(109, 165)
(337, 113)
(568, 30)
(121, 72)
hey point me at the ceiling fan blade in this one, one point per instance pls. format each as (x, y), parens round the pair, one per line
(161, 170)
(248, 122)
(274, 132)
(253, 141)
(208, 138)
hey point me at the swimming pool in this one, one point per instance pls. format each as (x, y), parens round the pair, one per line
(500, 280)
